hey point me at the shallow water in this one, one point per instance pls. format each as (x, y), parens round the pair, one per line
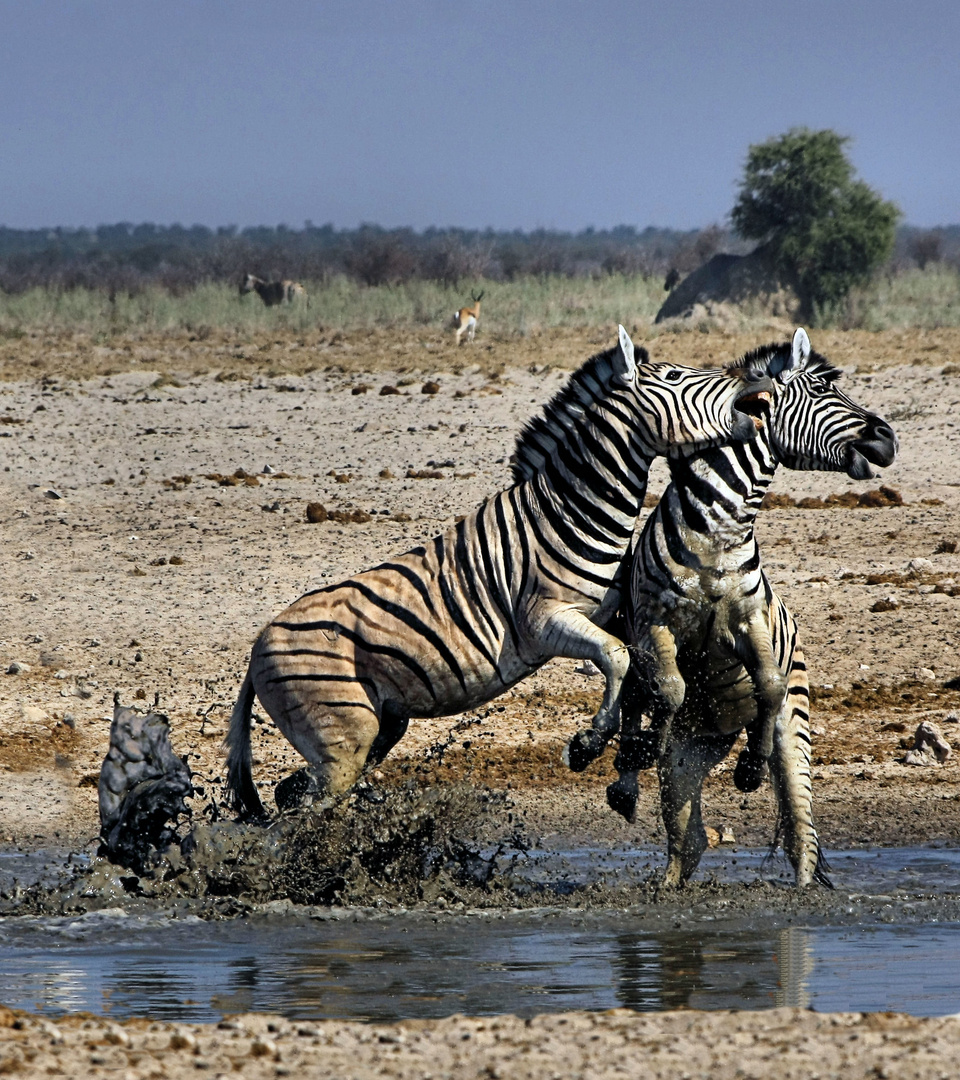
(410, 966)
(388, 966)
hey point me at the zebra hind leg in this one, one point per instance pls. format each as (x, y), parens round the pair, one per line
(336, 740)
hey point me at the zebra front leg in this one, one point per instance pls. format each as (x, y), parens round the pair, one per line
(754, 649)
(638, 748)
(567, 632)
(683, 766)
(790, 774)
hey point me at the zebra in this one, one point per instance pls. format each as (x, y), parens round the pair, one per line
(527, 576)
(272, 292)
(466, 318)
(716, 650)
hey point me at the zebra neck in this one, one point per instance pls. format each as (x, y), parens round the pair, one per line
(600, 495)
(717, 492)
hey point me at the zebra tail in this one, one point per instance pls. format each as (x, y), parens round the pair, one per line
(822, 872)
(241, 792)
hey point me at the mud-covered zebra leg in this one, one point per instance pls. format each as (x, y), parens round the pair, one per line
(754, 649)
(790, 775)
(638, 747)
(566, 632)
(335, 740)
(684, 762)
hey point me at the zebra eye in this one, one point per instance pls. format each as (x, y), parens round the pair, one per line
(674, 376)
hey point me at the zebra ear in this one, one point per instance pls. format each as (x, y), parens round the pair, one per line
(800, 350)
(785, 367)
(627, 353)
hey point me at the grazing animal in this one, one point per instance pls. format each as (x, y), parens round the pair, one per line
(716, 650)
(672, 279)
(466, 318)
(272, 292)
(527, 576)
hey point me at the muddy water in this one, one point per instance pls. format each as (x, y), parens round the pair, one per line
(876, 948)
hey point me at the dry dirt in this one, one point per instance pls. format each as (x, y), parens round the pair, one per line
(155, 494)
(786, 1043)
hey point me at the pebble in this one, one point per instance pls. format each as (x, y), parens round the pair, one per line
(17, 668)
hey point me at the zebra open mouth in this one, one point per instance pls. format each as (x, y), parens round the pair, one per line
(756, 406)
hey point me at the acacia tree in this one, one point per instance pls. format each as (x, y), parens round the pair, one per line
(825, 230)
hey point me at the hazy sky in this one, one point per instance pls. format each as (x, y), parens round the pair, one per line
(503, 113)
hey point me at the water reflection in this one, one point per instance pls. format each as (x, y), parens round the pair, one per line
(795, 966)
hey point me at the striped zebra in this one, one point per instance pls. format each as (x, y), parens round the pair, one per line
(272, 292)
(527, 576)
(716, 649)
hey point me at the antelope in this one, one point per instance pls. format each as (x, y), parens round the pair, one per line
(466, 318)
(272, 292)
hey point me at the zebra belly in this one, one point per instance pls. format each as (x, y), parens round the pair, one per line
(382, 637)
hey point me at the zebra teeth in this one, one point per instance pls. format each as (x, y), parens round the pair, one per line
(756, 406)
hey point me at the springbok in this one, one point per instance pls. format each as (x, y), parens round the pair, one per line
(466, 318)
(272, 292)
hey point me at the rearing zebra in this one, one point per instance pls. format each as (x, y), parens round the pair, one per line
(527, 576)
(716, 648)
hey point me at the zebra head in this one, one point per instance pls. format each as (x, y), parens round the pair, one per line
(813, 424)
(638, 409)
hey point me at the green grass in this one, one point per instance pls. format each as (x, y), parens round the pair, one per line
(914, 298)
(925, 299)
(340, 304)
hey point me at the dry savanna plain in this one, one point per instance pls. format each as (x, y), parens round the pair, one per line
(155, 494)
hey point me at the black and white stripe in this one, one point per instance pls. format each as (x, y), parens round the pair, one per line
(717, 651)
(527, 576)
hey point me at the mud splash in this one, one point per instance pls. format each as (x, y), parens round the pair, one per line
(398, 846)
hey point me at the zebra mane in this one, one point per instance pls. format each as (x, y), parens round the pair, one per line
(539, 437)
(760, 357)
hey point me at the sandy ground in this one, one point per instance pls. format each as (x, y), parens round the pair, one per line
(154, 497)
(786, 1043)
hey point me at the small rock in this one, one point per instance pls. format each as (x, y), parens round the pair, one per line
(587, 668)
(925, 674)
(952, 718)
(929, 746)
(268, 470)
(51, 493)
(886, 603)
(385, 390)
(316, 513)
(945, 547)
(920, 566)
(17, 668)
(430, 388)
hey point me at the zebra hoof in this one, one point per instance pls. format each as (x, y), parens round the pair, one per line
(636, 752)
(749, 772)
(296, 790)
(584, 747)
(622, 798)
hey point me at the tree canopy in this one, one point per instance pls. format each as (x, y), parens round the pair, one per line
(825, 229)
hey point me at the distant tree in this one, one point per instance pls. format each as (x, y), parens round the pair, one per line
(825, 229)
